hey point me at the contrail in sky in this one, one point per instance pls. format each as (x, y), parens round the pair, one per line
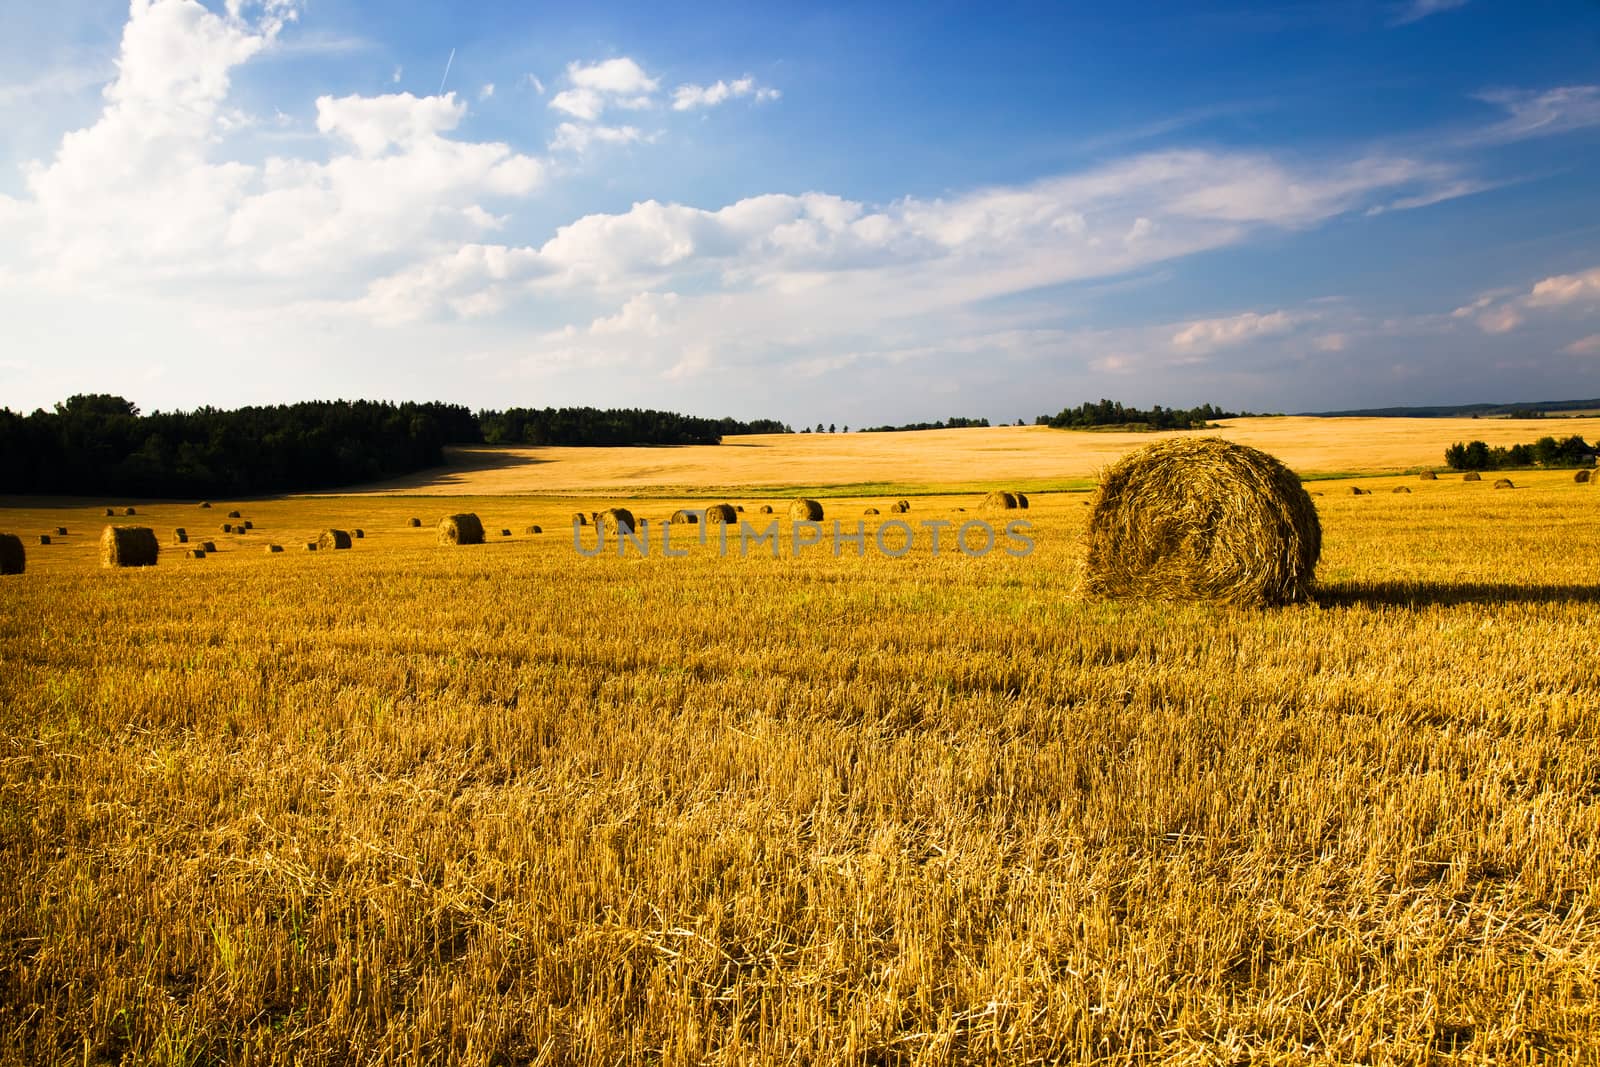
(447, 63)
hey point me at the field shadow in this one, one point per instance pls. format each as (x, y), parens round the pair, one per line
(458, 464)
(1427, 594)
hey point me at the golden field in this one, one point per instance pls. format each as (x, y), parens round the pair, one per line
(504, 804)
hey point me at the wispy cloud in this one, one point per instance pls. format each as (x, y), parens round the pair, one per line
(1544, 113)
(1417, 10)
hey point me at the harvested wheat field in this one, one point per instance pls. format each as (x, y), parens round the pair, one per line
(503, 803)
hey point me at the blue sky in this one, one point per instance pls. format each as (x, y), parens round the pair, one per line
(837, 215)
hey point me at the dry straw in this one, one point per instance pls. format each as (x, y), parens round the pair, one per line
(615, 520)
(358, 533)
(765, 509)
(1581, 476)
(1472, 476)
(1202, 518)
(1402, 489)
(129, 546)
(334, 539)
(721, 514)
(180, 536)
(534, 530)
(684, 516)
(13, 557)
(873, 511)
(579, 519)
(900, 507)
(1356, 490)
(463, 529)
(1022, 498)
(804, 509)
(196, 553)
(209, 546)
(1428, 476)
(1503, 483)
(273, 548)
(999, 500)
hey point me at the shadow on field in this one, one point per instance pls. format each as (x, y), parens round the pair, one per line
(1425, 594)
(459, 461)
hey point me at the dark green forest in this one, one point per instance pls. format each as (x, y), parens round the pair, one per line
(954, 422)
(1572, 451)
(1110, 413)
(101, 444)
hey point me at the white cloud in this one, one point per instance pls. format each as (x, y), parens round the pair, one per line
(613, 77)
(1204, 335)
(1587, 346)
(687, 97)
(1540, 114)
(1417, 10)
(487, 91)
(532, 80)
(577, 137)
(579, 103)
(374, 124)
(395, 77)
(1566, 289)
(1504, 310)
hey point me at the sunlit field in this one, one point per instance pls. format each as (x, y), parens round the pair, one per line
(506, 804)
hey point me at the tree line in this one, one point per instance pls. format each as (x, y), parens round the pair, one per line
(954, 422)
(102, 444)
(1113, 413)
(1572, 451)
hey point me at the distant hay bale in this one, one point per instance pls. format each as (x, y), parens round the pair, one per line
(334, 539)
(765, 509)
(413, 523)
(110, 512)
(1503, 483)
(311, 546)
(227, 527)
(1428, 476)
(1202, 518)
(209, 546)
(205, 503)
(505, 533)
(1582, 476)
(463, 529)
(358, 533)
(615, 520)
(196, 553)
(721, 514)
(1472, 476)
(579, 519)
(180, 536)
(234, 515)
(270, 549)
(129, 511)
(964, 509)
(61, 531)
(534, 530)
(249, 524)
(999, 500)
(685, 517)
(44, 539)
(13, 557)
(1402, 489)
(1022, 499)
(900, 507)
(873, 511)
(739, 508)
(804, 509)
(129, 546)
(1356, 490)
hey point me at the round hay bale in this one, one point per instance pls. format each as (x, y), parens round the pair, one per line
(804, 509)
(130, 511)
(249, 524)
(1402, 489)
(413, 523)
(964, 509)
(227, 527)
(505, 533)
(900, 507)
(1582, 476)
(129, 546)
(196, 553)
(873, 511)
(205, 503)
(739, 508)
(273, 548)
(690, 518)
(1022, 499)
(463, 529)
(999, 500)
(1202, 518)
(721, 514)
(44, 539)
(1503, 483)
(13, 557)
(1428, 476)
(358, 533)
(534, 530)
(1356, 490)
(110, 512)
(311, 546)
(331, 540)
(765, 509)
(180, 536)
(579, 519)
(61, 531)
(238, 531)
(1472, 476)
(615, 520)
(234, 515)
(209, 546)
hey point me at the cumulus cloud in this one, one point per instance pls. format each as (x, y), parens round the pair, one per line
(1566, 289)
(688, 97)
(576, 136)
(612, 83)
(1204, 335)
(1504, 310)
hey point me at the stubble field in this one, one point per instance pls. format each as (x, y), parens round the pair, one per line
(506, 804)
